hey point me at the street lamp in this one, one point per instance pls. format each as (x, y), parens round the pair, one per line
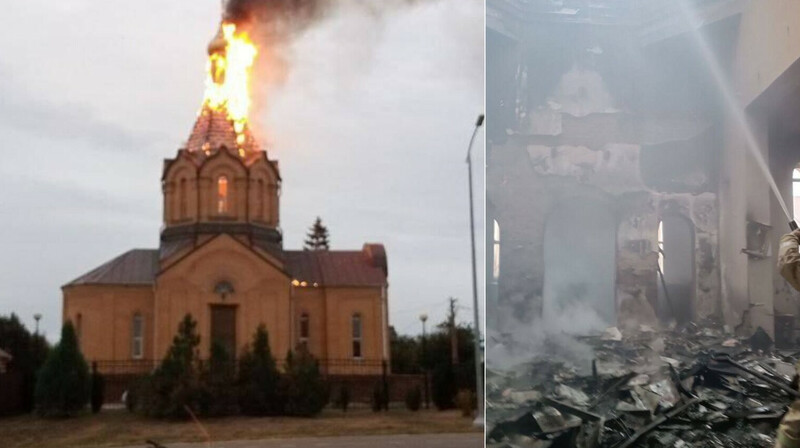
(423, 318)
(478, 367)
(37, 317)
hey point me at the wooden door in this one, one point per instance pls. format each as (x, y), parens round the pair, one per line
(223, 327)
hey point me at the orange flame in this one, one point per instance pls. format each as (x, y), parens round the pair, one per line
(230, 62)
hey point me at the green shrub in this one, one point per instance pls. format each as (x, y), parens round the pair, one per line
(465, 400)
(62, 388)
(176, 383)
(414, 399)
(304, 389)
(259, 380)
(98, 389)
(444, 386)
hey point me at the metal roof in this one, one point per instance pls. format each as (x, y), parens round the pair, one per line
(326, 268)
(135, 267)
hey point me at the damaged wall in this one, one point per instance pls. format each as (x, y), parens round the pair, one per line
(578, 139)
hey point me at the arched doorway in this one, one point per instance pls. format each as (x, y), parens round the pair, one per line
(676, 275)
(580, 267)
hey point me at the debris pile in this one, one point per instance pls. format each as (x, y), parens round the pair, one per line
(693, 387)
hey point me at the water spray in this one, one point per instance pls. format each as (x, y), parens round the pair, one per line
(733, 105)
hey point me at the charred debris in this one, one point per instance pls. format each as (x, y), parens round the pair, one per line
(691, 387)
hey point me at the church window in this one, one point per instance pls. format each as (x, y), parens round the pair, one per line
(137, 337)
(496, 252)
(222, 195)
(260, 199)
(357, 332)
(305, 329)
(182, 198)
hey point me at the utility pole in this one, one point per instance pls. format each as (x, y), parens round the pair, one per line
(451, 322)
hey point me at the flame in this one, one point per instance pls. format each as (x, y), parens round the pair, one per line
(230, 62)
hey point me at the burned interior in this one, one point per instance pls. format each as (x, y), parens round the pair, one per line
(632, 289)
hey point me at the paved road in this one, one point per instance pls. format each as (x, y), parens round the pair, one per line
(470, 440)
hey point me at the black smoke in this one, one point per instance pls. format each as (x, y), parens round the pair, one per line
(281, 16)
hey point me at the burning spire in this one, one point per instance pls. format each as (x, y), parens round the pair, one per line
(231, 55)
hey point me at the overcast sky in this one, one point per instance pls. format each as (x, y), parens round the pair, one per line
(370, 127)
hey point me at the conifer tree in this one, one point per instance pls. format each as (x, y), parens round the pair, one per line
(259, 378)
(176, 383)
(317, 237)
(63, 385)
(304, 388)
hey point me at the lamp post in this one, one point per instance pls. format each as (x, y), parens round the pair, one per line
(424, 363)
(477, 332)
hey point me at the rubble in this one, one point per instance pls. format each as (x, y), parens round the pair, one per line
(692, 387)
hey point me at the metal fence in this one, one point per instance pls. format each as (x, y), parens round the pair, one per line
(345, 366)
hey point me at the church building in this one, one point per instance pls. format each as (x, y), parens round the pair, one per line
(221, 259)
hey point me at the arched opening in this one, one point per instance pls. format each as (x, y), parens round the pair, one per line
(580, 267)
(676, 273)
(222, 195)
(496, 252)
(260, 194)
(182, 200)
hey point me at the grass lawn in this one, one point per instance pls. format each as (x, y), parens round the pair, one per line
(118, 427)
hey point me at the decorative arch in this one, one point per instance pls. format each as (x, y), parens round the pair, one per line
(179, 189)
(223, 182)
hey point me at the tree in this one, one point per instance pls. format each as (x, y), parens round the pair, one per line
(317, 237)
(303, 386)
(29, 353)
(176, 383)
(406, 353)
(63, 386)
(219, 396)
(259, 378)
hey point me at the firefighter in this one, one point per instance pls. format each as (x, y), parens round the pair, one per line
(789, 267)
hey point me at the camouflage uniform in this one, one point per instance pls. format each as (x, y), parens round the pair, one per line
(789, 266)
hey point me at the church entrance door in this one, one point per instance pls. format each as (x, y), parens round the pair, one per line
(223, 327)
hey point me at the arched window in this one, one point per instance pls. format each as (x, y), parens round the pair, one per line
(676, 272)
(260, 199)
(137, 336)
(496, 252)
(305, 329)
(182, 198)
(357, 333)
(796, 192)
(222, 195)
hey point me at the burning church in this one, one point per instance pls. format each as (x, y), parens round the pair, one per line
(222, 258)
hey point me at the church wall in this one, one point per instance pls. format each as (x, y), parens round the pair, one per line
(312, 301)
(342, 303)
(106, 317)
(261, 295)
